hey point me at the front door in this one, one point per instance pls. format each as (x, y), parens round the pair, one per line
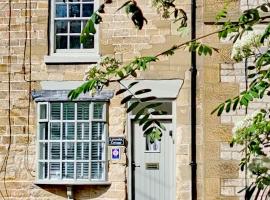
(153, 165)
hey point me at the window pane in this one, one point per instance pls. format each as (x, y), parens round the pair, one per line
(98, 111)
(61, 10)
(82, 170)
(75, 42)
(88, 10)
(98, 169)
(61, 26)
(74, 10)
(68, 131)
(98, 130)
(43, 170)
(75, 26)
(68, 170)
(83, 111)
(55, 130)
(43, 151)
(152, 146)
(55, 170)
(68, 111)
(61, 42)
(82, 151)
(55, 150)
(43, 131)
(165, 106)
(43, 111)
(82, 131)
(97, 151)
(74, 0)
(68, 151)
(55, 111)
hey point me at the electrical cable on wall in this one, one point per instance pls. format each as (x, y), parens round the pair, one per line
(26, 159)
(6, 158)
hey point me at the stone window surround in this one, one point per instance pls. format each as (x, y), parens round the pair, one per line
(69, 57)
(44, 96)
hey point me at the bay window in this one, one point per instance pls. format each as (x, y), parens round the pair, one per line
(72, 142)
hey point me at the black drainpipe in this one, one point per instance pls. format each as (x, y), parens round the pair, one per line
(193, 71)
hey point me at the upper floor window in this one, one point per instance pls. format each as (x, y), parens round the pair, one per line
(68, 17)
(72, 142)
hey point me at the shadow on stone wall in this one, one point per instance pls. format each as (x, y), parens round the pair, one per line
(79, 191)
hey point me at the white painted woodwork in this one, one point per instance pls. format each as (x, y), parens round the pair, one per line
(154, 184)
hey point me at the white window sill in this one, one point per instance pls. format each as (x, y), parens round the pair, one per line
(71, 182)
(71, 58)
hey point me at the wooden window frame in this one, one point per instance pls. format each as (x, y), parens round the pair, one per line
(103, 141)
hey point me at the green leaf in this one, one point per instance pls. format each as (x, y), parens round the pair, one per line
(147, 124)
(248, 97)
(144, 119)
(251, 67)
(148, 98)
(139, 114)
(126, 99)
(148, 131)
(220, 110)
(228, 105)
(89, 85)
(170, 51)
(142, 91)
(132, 106)
(96, 18)
(160, 125)
(264, 8)
(134, 74)
(132, 84)
(200, 50)
(244, 101)
(120, 74)
(88, 31)
(235, 103)
(252, 75)
(121, 91)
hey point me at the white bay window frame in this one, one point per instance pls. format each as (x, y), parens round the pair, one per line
(70, 55)
(53, 178)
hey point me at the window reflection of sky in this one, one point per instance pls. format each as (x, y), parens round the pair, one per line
(61, 10)
(68, 30)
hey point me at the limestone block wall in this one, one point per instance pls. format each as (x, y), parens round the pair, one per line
(118, 38)
(235, 73)
(223, 79)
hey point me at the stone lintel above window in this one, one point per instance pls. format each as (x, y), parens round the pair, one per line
(62, 95)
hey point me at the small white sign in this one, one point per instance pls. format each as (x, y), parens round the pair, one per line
(115, 154)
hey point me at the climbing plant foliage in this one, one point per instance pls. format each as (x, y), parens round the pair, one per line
(255, 131)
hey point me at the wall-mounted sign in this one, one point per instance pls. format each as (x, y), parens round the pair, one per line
(116, 141)
(115, 154)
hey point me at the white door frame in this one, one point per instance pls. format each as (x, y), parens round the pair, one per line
(130, 140)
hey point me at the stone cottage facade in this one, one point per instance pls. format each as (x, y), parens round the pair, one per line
(74, 160)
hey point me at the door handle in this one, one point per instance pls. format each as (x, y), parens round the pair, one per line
(171, 134)
(134, 165)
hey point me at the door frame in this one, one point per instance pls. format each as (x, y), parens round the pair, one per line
(130, 148)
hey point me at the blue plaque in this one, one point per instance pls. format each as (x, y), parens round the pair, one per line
(115, 153)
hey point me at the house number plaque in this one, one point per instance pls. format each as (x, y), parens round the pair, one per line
(116, 141)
